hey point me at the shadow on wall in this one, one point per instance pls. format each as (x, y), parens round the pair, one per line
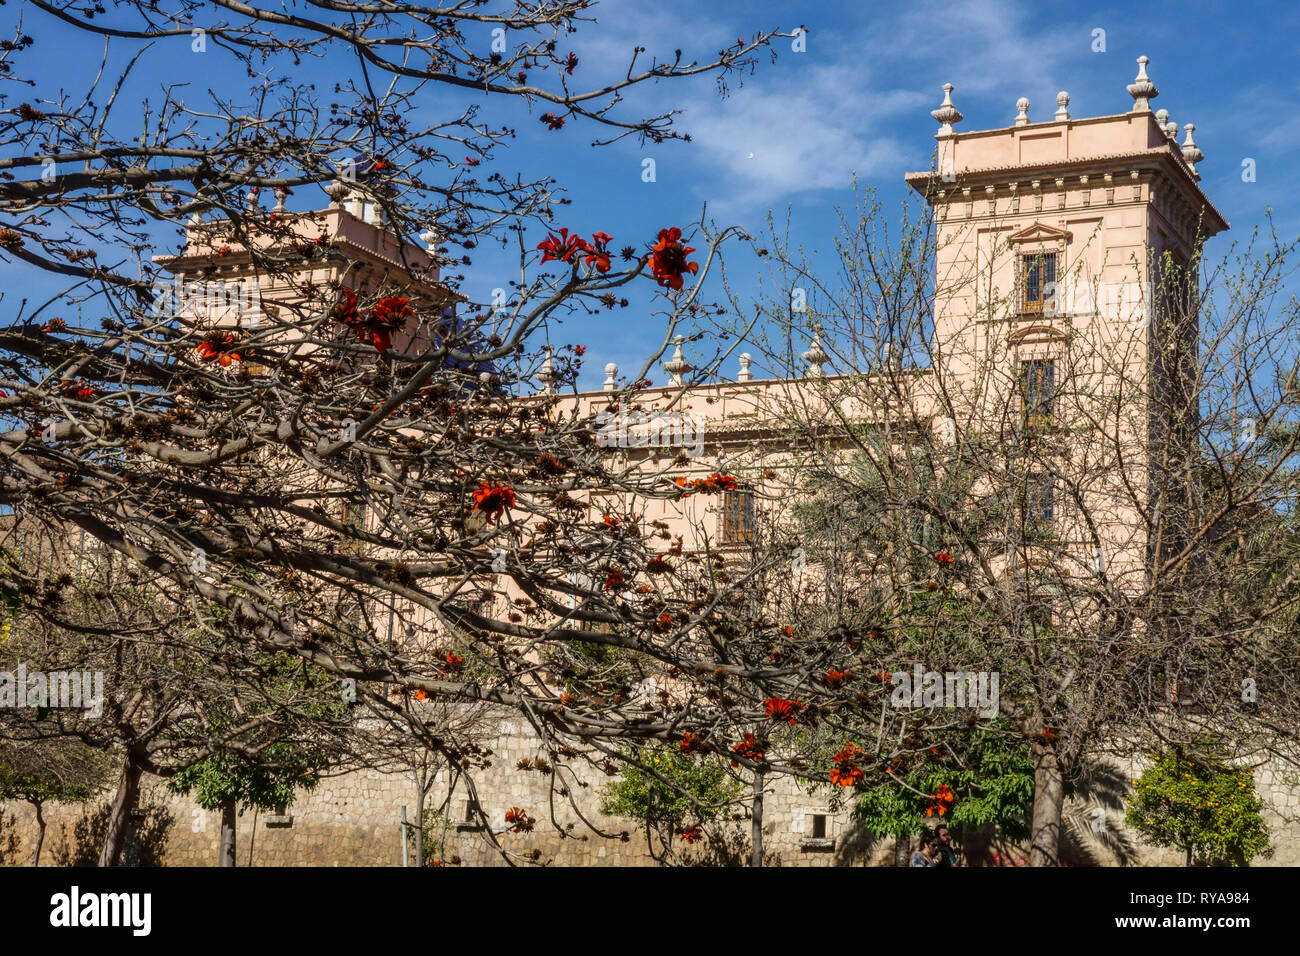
(146, 843)
(9, 849)
(859, 845)
(729, 846)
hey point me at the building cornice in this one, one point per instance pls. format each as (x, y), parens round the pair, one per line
(936, 187)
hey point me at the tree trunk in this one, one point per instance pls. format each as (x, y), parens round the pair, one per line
(226, 851)
(119, 814)
(419, 821)
(1049, 798)
(40, 833)
(902, 851)
(756, 827)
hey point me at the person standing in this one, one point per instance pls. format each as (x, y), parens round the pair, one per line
(948, 854)
(929, 854)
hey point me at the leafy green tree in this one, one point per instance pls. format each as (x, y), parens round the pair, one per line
(280, 758)
(670, 793)
(39, 772)
(991, 781)
(1205, 808)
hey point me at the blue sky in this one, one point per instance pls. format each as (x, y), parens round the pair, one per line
(857, 101)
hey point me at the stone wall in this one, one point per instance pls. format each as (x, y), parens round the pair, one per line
(355, 820)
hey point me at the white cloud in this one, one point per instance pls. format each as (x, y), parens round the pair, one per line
(805, 130)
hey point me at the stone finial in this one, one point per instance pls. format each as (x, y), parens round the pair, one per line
(431, 238)
(816, 355)
(1171, 130)
(1191, 152)
(611, 377)
(677, 367)
(1022, 117)
(1142, 89)
(745, 374)
(547, 374)
(336, 190)
(1062, 106)
(280, 193)
(250, 201)
(947, 114)
(1162, 118)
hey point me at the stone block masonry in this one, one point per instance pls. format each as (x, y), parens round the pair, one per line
(355, 820)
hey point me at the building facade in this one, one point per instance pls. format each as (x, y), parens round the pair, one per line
(1054, 239)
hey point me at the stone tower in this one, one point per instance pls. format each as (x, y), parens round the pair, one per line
(1058, 242)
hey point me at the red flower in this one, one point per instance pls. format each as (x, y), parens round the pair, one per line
(492, 499)
(668, 261)
(692, 833)
(610, 521)
(847, 772)
(749, 747)
(381, 339)
(598, 253)
(216, 347)
(834, 678)
(782, 708)
(345, 310)
(561, 248)
(694, 744)
(941, 800)
(658, 565)
(552, 121)
(570, 63)
(55, 325)
(943, 557)
(471, 161)
(453, 662)
(614, 580)
(580, 350)
(392, 312)
(713, 484)
(421, 694)
(78, 389)
(519, 818)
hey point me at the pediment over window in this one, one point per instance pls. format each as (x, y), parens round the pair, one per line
(1036, 333)
(1038, 232)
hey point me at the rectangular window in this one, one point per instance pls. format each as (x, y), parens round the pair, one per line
(1038, 391)
(1038, 281)
(738, 519)
(354, 520)
(819, 826)
(1040, 500)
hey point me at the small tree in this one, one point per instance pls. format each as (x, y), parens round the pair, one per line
(49, 770)
(280, 758)
(1205, 808)
(663, 788)
(231, 784)
(990, 781)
